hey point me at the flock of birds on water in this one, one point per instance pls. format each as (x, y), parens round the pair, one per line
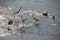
(36, 20)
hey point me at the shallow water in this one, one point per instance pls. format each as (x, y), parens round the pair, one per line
(47, 28)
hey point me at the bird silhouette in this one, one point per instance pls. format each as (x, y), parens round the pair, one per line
(45, 14)
(18, 10)
(10, 22)
(53, 17)
(9, 29)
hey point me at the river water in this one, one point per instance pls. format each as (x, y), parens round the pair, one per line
(47, 28)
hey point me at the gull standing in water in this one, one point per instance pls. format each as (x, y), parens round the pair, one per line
(53, 17)
(45, 14)
(10, 22)
(9, 29)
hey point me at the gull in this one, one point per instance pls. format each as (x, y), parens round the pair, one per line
(53, 17)
(18, 10)
(10, 22)
(9, 29)
(45, 14)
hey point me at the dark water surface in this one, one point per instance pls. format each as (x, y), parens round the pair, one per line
(46, 30)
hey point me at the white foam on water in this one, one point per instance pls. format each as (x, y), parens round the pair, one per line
(54, 24)
(1, 10)
(2, 17)
(3, 33)
(17, 25)
(10, 8)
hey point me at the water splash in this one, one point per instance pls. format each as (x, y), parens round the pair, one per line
(18, 25)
